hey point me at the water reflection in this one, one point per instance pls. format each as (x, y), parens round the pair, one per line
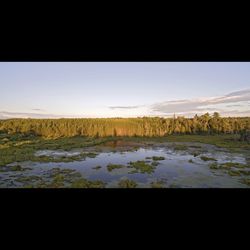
(178, 169)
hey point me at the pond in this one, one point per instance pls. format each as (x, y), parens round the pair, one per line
(164, 166)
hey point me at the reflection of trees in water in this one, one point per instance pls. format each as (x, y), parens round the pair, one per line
(245, 135)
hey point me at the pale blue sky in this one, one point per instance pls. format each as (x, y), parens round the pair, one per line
(108, 89)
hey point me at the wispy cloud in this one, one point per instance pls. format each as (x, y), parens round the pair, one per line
(232, 104)
(201, 105)
(38, 109)
(8, 115)
(125, 107)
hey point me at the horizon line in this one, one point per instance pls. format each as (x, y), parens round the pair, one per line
(137, 117)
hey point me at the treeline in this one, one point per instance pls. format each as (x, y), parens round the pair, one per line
(101, 127)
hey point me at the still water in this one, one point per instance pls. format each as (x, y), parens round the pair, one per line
(179, 169)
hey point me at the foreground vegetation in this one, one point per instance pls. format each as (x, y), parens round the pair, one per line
(234, 169)
(57, 178)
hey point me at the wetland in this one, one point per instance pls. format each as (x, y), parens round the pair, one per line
(175, 161)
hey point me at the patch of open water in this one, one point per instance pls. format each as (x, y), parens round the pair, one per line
(175, 171)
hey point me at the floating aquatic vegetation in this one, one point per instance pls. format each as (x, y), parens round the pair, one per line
(30, 178)
(18, 168)
(246, 181)
(233, 164)
(83, 183)
(63, 158)
(214, 166)
(158, 184)
(111, 167)
(228, 165)
(59, 178)
(28, 186)
(57, 171)
(57, 182)
(196, 146)
(245, 172)
(180, 147)
(97, 167)
(141, 167)
(14, 168)
(127, 184)
(90, 155)
(234, 172)
(205, 158)
(231, 168)
(158, 158)
(155, 163)
(196, 154)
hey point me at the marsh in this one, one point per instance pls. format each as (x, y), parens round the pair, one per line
(130, 163)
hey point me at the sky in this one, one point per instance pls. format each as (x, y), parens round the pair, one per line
(123, 89)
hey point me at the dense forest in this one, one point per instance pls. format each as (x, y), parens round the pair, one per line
(146, 126)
